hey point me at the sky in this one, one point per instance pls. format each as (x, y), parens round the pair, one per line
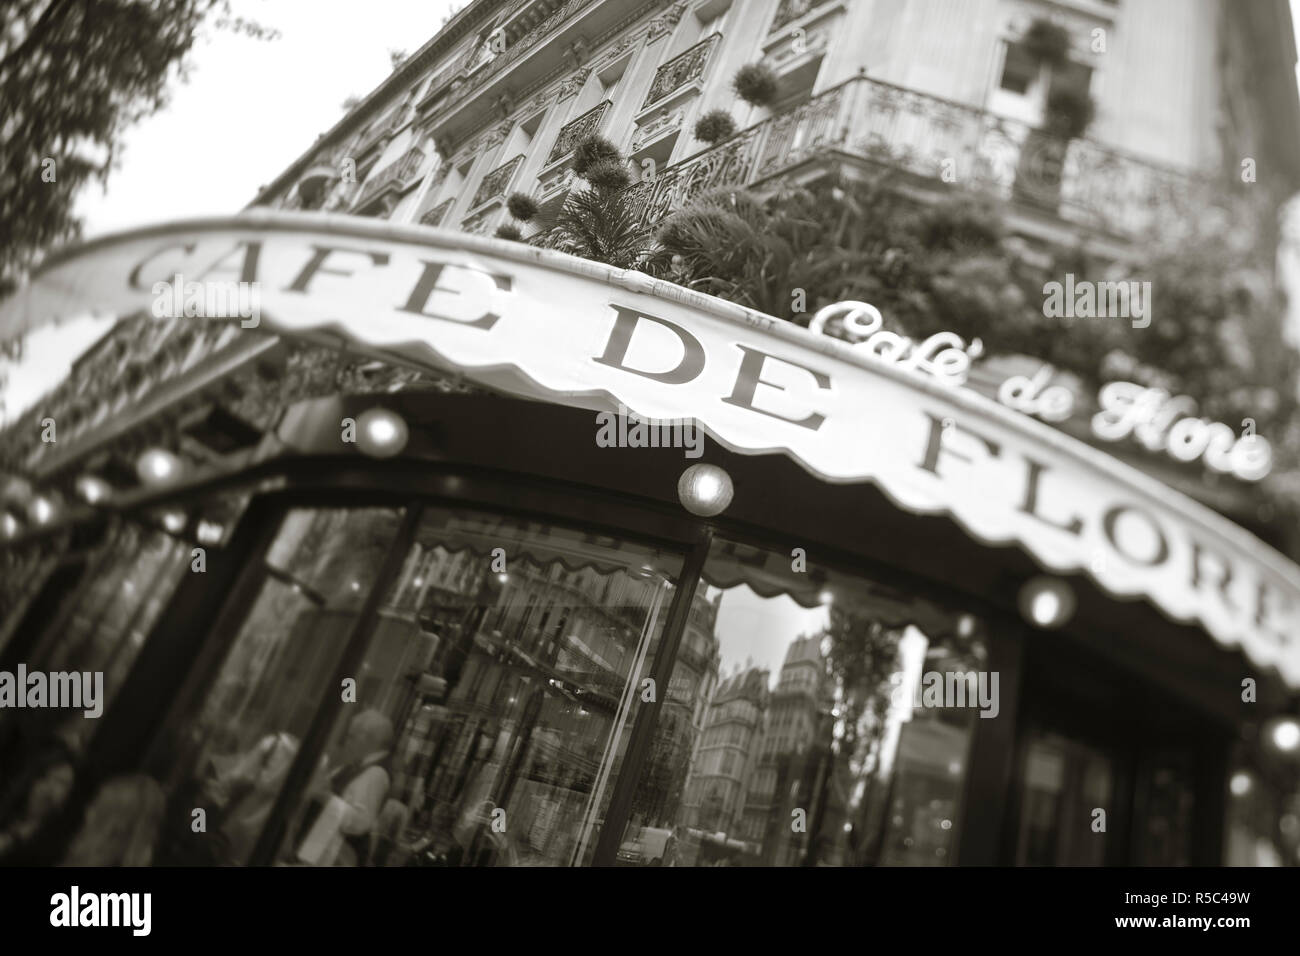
(251, 107)
(248, 110)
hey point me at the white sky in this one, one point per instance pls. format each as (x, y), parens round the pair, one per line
(249, 109)
(757, 631)
(252, 107)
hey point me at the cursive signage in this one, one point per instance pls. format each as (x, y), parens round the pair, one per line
(1033, 396)
(1152, 417)
(945, 355)
(552, 327)
(1161, 422)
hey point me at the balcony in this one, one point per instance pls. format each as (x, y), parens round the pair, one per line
(791, 10)
(575, 131)
(392, 180)
(682, 71)
(495, 183)
(387, 124)
(435, 216)
(1079, 182)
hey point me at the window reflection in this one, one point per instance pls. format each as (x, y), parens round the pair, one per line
(1263, 809)
(1063, 781)
(100, 626)
(231, 758)
(813, 741)
(23, 571)
(494, 703)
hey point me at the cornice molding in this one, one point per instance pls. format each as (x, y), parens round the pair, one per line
(404, 77)
(622, 36)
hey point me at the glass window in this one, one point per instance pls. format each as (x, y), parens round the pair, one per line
(1263, 808)
(102, 626)
(231, 756)
(1063, 780)
(495, 701)
(855, 703)
(1020, 69)
(1166, 800)
(98, 628)
(23, 571)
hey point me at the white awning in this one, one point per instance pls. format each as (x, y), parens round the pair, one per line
(545, 325)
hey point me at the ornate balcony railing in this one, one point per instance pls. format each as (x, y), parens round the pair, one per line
(495, 183)
(575, 130)
(396, 175)
(1078, 181)
(435, 216)
(728, 164)
(792, 10)
(385, 125)
(680, 70)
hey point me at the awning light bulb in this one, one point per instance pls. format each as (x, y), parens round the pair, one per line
(705, 490)
(382, 433)
(1046, 601)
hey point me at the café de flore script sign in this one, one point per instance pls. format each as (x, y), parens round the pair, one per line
(545, 325)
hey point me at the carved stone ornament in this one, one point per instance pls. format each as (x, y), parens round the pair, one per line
(617, 50)
(495, 136)
(574, 82)
(665, 22)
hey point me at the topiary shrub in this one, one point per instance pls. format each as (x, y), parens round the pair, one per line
(715, 126)
(1069, 112)
(508, 230)
(521, 206)
(1048, 42)
(755, 83)
(608, 174)
(590, 151)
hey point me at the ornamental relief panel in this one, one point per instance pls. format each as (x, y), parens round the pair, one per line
(572, 85)
(664, 23)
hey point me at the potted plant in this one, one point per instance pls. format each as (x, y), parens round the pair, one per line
(1048, 42)
(521, 206)
(591, 150)
(755, 83)
(608, 174)
(1069, 112)
(714, 127)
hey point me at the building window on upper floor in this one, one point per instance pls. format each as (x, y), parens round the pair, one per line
(1025, 84)
(711, 17)
(706, 19)
(1020, 70)
(454, 185)
(520, 140)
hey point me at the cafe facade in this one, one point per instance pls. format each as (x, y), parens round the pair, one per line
(773, 646)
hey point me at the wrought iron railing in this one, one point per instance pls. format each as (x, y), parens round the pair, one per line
(435, 216)
(792, 10)
(574, 131)
(680, 70)
(397, 175)
(1077, 180)
(494, 184)
(385, 125)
